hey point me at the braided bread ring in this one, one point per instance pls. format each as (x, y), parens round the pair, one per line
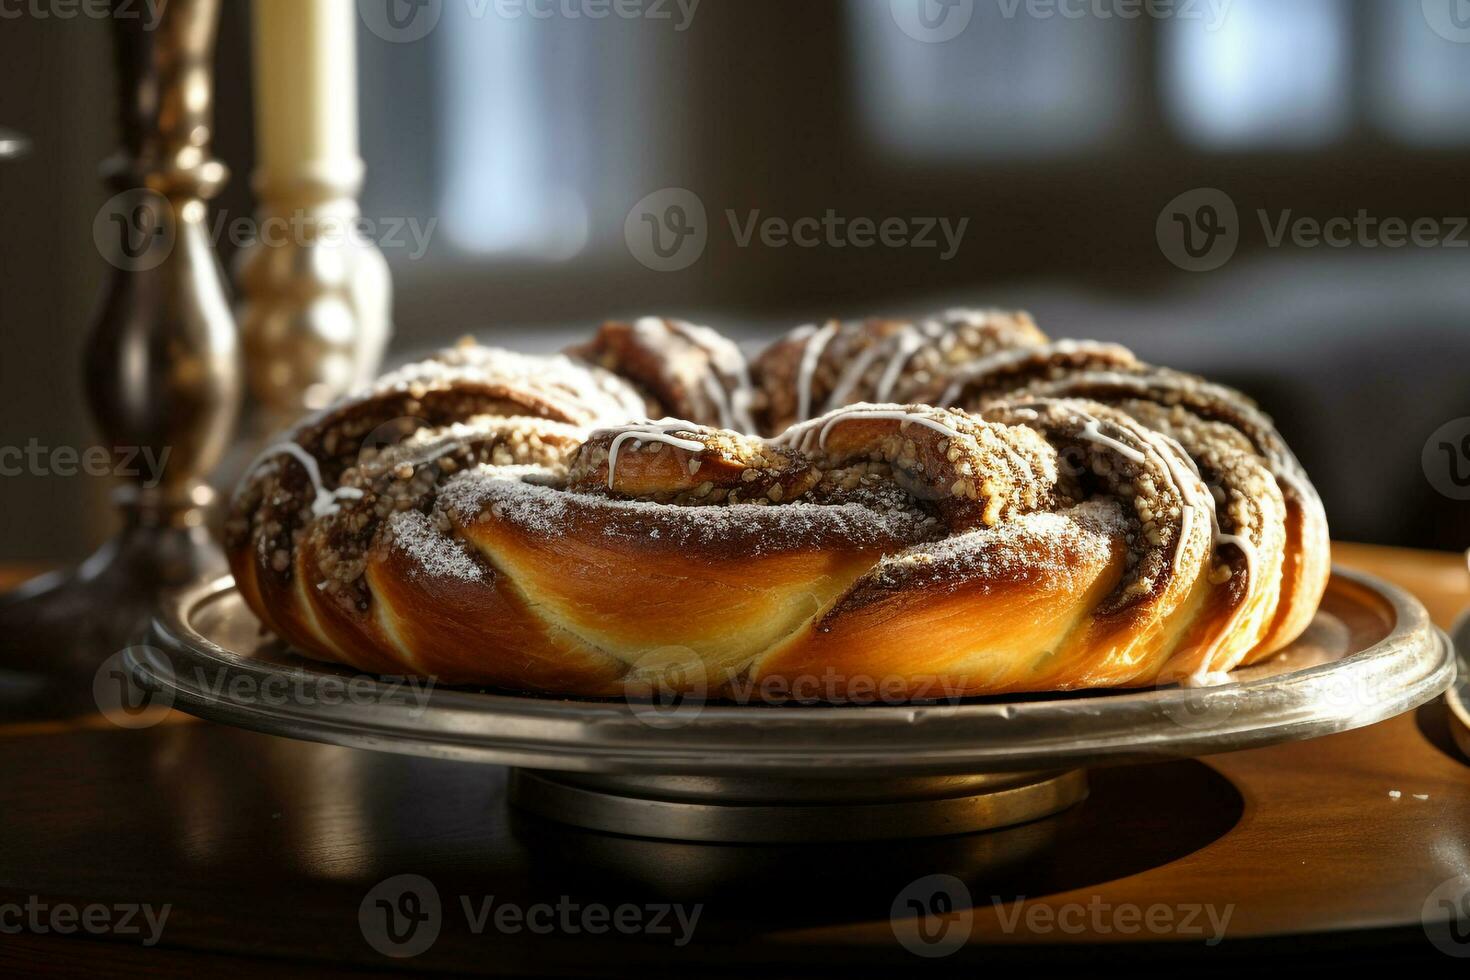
(1081, 520)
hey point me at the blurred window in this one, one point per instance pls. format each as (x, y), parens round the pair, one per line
(1267, 73)
(1421, 93)
(514, 137)
(527, 133)
(1007, 84)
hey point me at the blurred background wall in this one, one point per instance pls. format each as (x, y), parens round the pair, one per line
(1150, 173)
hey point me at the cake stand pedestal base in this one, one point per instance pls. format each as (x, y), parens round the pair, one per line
(785, 809)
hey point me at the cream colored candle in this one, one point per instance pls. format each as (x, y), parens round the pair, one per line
(305, 89)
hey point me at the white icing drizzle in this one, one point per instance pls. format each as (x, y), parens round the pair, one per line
(1173, 455)
(897, 415)
(1203, 675)
(1248, 550)
(1243, 543)
(734, 404)
(660, 431)
(1278, 457)
(1001, 360)
(1187, 489)
(1092, 432)
(811, 355)
(906, 344)
(325, 501)
(901, 348)
(714, 390)
(800, 435)
(850, 377)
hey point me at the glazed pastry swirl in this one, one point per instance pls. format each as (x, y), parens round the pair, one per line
(1070, 518)
(687, 370)
(1266, 504)
(816, 369)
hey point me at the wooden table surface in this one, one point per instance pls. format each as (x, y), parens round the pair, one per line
(265, 850)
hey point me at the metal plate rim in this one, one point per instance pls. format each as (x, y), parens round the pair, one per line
(1413, 663)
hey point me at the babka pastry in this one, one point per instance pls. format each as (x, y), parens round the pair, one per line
(815, 369)
(1224, 432)
(687, 370)
(1069, 519)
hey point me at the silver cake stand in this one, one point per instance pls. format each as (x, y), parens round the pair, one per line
(1457, 698)
(746, 772)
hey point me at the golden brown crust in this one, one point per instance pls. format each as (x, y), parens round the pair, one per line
(1077, 520)
(1187, 402)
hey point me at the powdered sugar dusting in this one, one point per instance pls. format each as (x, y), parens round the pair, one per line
(550, 511)
(1048, 546)
(600, 394)
(435, 551)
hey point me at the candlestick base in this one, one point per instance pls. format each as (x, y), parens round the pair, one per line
(58, 630)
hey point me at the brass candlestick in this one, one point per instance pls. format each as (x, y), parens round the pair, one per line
(315, 294)
(162, 371)
(316, 297)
